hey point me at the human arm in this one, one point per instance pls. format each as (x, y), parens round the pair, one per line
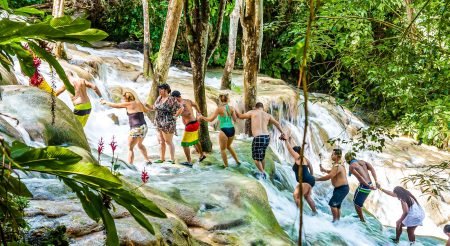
(311, 170)
(93, 87)
(404, 214)
(291, 150)
(330, 175)
(387, 192)
(115, 105)
(276, 124)
(372, 171)
(212, 117)
(233, 114)
(195, 106)
(244, 116)
(323, 169)
(60, 90)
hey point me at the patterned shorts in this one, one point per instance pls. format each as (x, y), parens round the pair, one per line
(259, 146)
(138, 131)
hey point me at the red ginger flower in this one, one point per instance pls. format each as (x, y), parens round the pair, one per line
(144, 176)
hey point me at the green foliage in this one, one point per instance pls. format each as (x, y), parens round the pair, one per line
(16, 34)
(432, 180)
(22, 3)
(371, 138)
(94, 185)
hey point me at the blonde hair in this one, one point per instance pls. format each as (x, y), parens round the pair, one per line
(129, 97)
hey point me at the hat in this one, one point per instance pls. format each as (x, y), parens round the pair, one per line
(176, 94)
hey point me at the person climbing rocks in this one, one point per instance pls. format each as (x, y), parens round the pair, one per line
(261, 138)
(80, 100)
(138, 127)
(308, 180)
(338, 177)
(412, 216)
(167, 110)
(360, 169)
(226, 115)
(447, 232)
(190, 136)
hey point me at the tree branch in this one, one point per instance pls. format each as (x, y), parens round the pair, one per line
(215, 42)
(188, 22)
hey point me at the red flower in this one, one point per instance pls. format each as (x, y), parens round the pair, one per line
(144, 176)
(36, 79)
(113, 145)
(100, 146)
(36, 62)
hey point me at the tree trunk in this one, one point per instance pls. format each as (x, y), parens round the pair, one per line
(58, 11)
(251, 18)
(168, 41)
(148, 68)
(410, 15)
(229, 65)
(200, 51)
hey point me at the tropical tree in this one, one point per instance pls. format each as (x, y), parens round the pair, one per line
(197, 17)
(251, 21)
(58, 11)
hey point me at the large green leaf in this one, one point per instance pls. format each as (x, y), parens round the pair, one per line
(49, 156)
(18, 148)
(54, 63)
(137, 215)
(110, 226)
(4, 4)
(29, 11)
(89, 35)
(15, 186)
(88, 207)
(69, 25)
(25, 59)
(137, 200)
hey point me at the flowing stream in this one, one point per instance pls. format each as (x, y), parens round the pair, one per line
(326, 121)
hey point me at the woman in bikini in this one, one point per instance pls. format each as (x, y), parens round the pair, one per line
(167, 110)
(226, 115)
(308, 180)
(138, 127)
(412, 216)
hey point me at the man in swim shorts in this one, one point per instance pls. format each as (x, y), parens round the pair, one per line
(190, 136)
(338, 178)
(259, 124)
(80, 99)
(361, 170)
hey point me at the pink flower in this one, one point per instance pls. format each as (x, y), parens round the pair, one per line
(144, 176)
(100, 147)
(113, 145)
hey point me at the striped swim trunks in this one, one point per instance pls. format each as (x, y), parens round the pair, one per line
(259, 147)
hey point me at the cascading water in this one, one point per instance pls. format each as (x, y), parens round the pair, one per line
(325, 121)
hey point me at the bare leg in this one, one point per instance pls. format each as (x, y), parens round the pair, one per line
(187, 153)
(231, 150)
(411, 235)
(360, 213)
(162, 142)
(398, 231)
(223, 146)
(307, 189)
(198, 148)
(131, 143)
(259, 166)
(142, 149)
(335, 213)
(263, 162)
(168, 138)
(297, 195)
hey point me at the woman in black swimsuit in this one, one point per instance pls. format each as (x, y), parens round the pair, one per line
(138, 127)
(308, 180)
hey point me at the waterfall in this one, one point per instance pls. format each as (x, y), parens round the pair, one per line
(326, 121)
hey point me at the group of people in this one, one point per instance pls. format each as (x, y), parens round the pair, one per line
(412, 216)
(169, 105)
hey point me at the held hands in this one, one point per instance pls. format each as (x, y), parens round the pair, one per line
(102, 101)
(321, 168)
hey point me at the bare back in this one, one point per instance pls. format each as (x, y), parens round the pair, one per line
(135, 107)
(361, 168)
(341, 176)
(80, 91)
(260, 121)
